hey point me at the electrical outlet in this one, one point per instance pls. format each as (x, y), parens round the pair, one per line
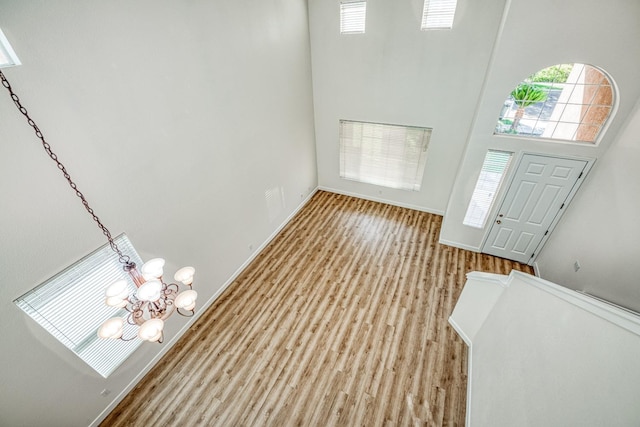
(105, 392)
(576, 266)
(250, 248)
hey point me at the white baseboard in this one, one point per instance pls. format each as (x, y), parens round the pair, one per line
(458, 245)
(536, 269)
(381, 200)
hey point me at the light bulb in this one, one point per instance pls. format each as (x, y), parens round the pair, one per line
(152, 268)
(185, 275)
(151, 330)
(186, 299)
(150, 291)
(116, 302)
(112, 328)
(119, 289)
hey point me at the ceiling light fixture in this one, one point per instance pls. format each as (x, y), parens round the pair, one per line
(154, 300)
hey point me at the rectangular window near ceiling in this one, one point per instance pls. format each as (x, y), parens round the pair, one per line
(352, 17)
(491, 176)
(71, 306)
(438, 14)
(387, 155)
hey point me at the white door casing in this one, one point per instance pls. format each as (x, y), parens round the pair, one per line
(537, 195)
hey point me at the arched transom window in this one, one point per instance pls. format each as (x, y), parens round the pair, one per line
(569, 102)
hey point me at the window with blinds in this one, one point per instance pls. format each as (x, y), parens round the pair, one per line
(491, 176)
(438, 14)
(353, 17)
(71, 306)
(387, 155)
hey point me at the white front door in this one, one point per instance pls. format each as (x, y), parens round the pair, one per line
(537, 195)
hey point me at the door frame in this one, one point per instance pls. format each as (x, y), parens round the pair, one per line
(509, 182)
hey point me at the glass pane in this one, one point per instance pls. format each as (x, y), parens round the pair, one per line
(488, 184)
(568, 102)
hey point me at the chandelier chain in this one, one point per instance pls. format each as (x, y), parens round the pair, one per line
(124, 259)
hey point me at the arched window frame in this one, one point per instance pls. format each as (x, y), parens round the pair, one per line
(576, 111)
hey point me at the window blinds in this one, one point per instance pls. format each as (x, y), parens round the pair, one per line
(388, 155)
(491, 177)
(438, 14)
(352, 17)
(71, 306)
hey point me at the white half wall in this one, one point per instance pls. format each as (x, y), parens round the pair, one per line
(544, 355)
(175, 118)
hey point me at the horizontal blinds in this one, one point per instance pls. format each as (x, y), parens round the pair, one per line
(388, 155)
(71, 306)
(438, 14)
(488, 184)
(352, 17)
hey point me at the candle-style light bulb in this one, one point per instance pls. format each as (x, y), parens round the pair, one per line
(151, 330)
(186, 299)
(150, 290)
(112, 328)
(185, 275)
(152, 269)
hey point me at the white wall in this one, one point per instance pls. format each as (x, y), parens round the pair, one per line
(174, 117)
(395, 73)
(535, 37)
(546, 356)
(602, 230)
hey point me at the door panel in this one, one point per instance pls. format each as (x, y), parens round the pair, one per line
(540, 186)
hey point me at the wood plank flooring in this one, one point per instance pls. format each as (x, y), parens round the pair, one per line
(340, 321)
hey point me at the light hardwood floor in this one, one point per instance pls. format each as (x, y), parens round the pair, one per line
(341, 320)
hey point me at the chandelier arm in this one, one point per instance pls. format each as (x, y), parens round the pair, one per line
(187, 313)
(128, 339)
(125, 260)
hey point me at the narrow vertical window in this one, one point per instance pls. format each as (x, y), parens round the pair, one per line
(438, 14)
(488, 184)
(352, 17)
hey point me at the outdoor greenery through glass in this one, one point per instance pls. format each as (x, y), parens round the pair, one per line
(570, 102)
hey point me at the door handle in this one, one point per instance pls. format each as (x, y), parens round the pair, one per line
(499, 222)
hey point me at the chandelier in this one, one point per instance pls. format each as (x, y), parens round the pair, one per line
(154, 300)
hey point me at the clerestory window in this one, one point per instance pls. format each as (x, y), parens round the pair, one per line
(438, 14)
(353, 14)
